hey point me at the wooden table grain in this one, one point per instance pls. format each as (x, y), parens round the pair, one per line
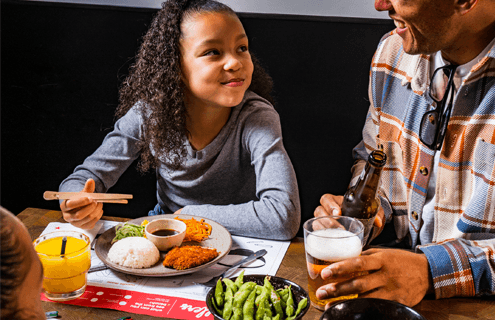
(293, 267)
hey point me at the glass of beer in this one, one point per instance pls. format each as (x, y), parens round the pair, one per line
(328, 240)
(64, 270)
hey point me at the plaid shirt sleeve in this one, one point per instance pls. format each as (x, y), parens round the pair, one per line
(462, 253)
(461, 267)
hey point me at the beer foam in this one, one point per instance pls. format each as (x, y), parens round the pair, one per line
(333, 244)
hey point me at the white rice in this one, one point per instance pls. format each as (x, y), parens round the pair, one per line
(134, 252)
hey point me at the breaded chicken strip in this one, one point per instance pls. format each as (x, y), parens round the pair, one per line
(186, 257)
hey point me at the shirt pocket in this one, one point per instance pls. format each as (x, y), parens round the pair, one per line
(479, 215)
(392, 179)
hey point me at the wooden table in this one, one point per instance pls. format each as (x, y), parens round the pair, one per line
(293, 267)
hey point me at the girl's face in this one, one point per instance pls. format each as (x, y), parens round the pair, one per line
(216, 63)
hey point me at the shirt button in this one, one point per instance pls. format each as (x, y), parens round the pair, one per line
(415, 215)
(423, 170)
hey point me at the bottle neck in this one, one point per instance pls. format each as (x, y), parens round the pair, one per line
(370, 179)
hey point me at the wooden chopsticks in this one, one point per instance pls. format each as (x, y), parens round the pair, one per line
(99, 197)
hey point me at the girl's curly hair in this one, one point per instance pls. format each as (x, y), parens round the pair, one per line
(155, 81)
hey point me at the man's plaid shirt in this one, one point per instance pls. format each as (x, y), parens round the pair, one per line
(462, 255)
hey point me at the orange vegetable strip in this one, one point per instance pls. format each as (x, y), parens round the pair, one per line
(196, 230)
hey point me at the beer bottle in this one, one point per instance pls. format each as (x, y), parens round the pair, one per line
(361, 201)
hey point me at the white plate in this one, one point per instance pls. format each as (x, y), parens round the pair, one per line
(219, 239)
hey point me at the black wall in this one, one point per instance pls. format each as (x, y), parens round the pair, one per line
(61, 66)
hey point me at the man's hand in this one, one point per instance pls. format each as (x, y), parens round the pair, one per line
(82, 212)
(398, 275)
(330, 206)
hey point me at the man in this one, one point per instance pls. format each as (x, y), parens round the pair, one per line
(437, 188)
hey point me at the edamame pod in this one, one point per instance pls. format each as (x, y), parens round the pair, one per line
(241, 295)
(289, 309)
(301, 305)
(283, 293)
(268, 308)
(229, 299)
(239, 281)
(237, 314)
(264, 294)
(260, 312)
(259, 289)
(267, 283)
(220, 311)
(219, 295)
(248, 308)
(231, 284)
(276, 303)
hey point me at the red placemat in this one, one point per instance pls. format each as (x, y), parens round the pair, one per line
(141, 303)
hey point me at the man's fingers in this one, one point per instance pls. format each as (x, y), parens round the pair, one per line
(320, 212)
(340, 269)
(378, 222)
(331, 204)
(367, 283)
(377, 293)
(371, 251)
(326, 223)
(380, 218)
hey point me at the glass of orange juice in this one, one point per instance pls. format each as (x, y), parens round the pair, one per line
(328, 240)
(64, 274)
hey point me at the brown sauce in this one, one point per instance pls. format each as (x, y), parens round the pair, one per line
(164, 232)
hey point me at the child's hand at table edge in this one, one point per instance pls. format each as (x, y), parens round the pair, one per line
(82, 212)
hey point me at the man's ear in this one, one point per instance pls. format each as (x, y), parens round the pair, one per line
(464, 6)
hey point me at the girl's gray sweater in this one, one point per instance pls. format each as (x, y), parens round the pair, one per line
(243, 179)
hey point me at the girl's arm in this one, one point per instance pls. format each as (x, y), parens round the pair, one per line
(276, 213)
(116, 153)
(101, 170)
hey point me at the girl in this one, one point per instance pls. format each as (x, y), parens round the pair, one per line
(196, 108)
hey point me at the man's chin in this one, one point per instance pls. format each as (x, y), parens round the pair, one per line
(410, 48)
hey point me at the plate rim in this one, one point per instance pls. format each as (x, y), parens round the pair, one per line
(139, 272)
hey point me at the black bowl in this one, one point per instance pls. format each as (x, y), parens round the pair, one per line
(278, 283)
(370, 309)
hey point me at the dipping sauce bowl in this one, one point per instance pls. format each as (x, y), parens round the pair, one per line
(165, 233)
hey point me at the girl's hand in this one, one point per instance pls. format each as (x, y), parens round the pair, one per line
(82, 212)
(178, 211)
(330, 206)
